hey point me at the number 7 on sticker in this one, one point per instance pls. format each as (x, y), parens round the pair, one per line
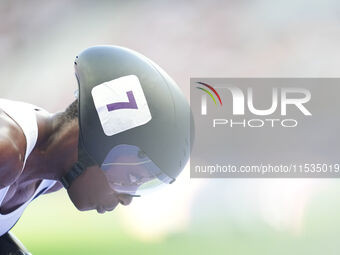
(131, 104)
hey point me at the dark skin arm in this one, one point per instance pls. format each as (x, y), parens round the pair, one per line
(12, 150)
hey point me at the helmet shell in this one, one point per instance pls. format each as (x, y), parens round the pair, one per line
(165, 138)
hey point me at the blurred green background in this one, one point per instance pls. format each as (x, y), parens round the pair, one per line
(244, 38)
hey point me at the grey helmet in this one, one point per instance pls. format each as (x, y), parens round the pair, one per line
(129, 106)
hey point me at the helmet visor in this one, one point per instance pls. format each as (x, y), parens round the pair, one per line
(129, 170)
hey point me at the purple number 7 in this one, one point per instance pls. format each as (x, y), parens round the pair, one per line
(124, 105)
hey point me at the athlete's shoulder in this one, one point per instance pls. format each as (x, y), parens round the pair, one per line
(12, 150)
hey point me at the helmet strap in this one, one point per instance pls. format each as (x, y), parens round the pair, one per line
(84, 161)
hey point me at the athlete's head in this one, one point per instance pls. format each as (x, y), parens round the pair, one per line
(134, 128)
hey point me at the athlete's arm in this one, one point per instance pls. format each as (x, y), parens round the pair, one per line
(12, 150)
